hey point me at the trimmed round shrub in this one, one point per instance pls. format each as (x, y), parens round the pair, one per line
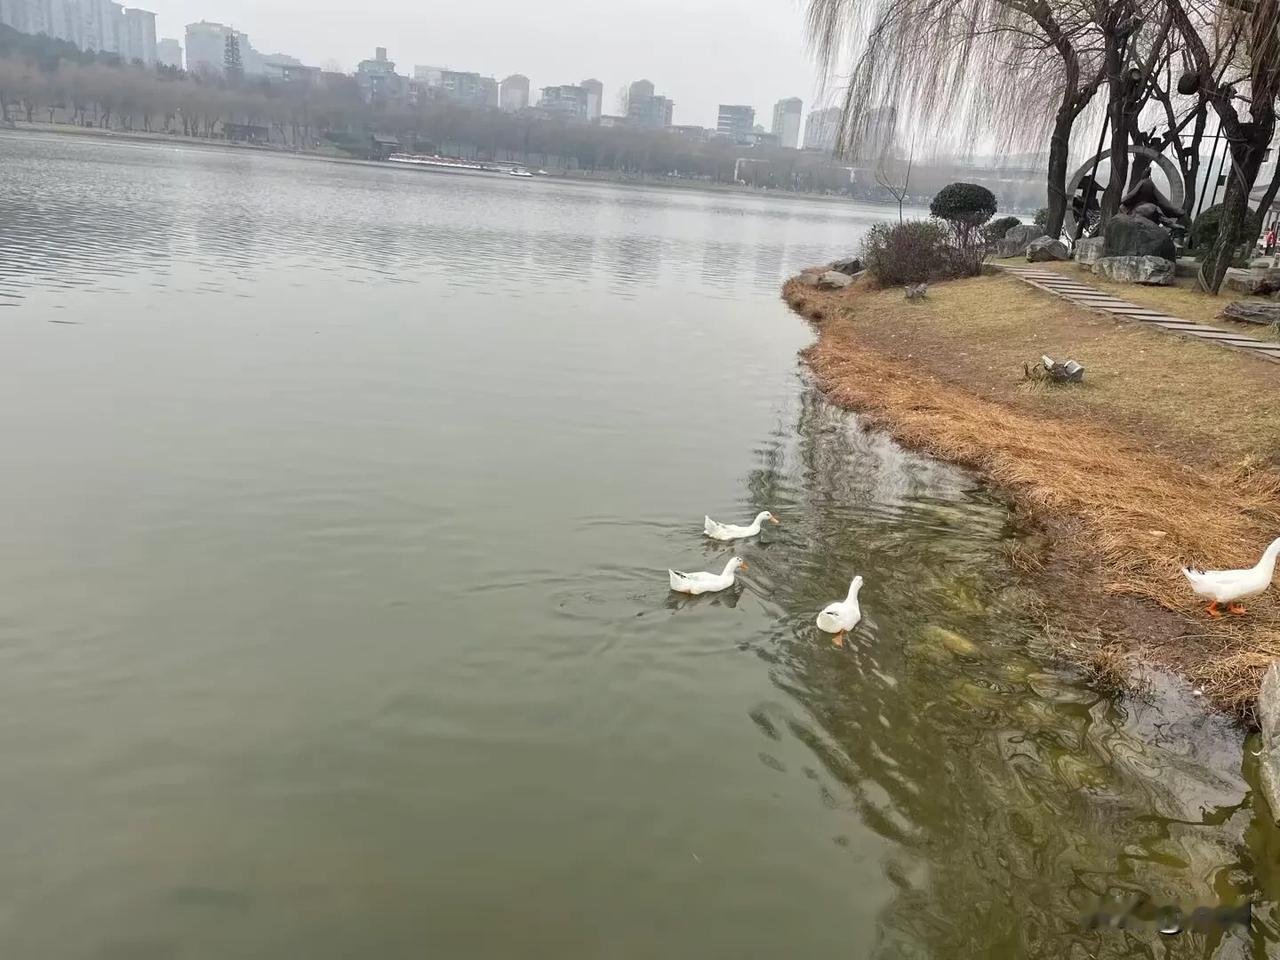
(997, 228)
(964, 203)
(1205, 230)
(1042, 217)
(901, 253)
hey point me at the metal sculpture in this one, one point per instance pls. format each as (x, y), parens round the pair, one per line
(1144, 200)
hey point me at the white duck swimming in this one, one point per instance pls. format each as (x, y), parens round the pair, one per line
(700, 582)
(843, 615)
(731, 531)
(1228, 586)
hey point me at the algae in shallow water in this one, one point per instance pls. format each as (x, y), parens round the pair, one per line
(964, 595)
(976, 695)
(957, 644)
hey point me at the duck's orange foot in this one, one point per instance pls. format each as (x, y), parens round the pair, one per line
(838, 639)
(1237, 608)
(1212, 610)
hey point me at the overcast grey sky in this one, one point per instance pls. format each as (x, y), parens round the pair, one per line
(698, 52)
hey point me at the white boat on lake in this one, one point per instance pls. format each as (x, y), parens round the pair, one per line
(439, 163)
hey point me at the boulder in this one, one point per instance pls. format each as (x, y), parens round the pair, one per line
(1251, 282)
(1128, 236)
(807, 279)
(849, 265)
(1017, 239)
(1262, 263)
(1246, 311)
(1089, 251)
(1044, 249)
(1153, 271)
(1269, 728)
(834, 280)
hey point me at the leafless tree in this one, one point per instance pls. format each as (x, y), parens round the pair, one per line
(1234, 52)
(895, 181)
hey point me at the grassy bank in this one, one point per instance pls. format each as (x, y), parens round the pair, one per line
(1167, 455)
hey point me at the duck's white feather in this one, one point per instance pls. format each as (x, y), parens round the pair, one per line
(703, 582)
(843, 615)
(1227, 586)
(732, 531)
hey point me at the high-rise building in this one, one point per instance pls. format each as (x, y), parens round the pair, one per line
(169, 52)
(639, 90)
(595, 98)
(95, 26)
(735, 121)
(138, 38)
(651, 112)
(206, 51)
(567, 100)
(820, 129)
(29, 16)
(378, 80)
(14, 14)
(786, 122)
(207, 47)
(92, 31)
(469, 88)
(115, 31)
(515, 93)
(644, 109)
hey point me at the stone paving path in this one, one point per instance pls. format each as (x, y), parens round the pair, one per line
(1068, 288)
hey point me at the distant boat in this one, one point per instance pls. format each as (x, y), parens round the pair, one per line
(439, 163)
(520, 172)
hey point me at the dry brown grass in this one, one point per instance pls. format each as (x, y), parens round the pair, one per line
(1164, 456)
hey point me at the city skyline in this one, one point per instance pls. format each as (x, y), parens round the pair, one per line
(494, 41)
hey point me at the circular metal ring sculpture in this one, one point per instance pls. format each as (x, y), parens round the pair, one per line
(1177, 189)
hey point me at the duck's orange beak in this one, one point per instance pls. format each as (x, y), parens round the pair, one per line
(742, 565)
(774, 521)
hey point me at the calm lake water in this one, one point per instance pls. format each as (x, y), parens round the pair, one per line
(334, 619)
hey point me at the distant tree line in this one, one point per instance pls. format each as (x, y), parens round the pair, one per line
(44, 80)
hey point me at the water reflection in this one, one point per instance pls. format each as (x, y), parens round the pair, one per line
(1013, 796)
(136, 208)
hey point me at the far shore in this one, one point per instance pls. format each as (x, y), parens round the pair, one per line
(1126, 477)
(331, 155)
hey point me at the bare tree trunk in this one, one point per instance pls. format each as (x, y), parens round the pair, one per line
(1235, 207)
(1191, 171)
(1059, 151)
(1246, 160)
(1117, 95)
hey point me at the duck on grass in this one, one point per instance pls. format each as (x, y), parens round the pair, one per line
(1232, 586)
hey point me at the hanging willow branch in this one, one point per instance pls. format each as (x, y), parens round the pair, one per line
(956, 69)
